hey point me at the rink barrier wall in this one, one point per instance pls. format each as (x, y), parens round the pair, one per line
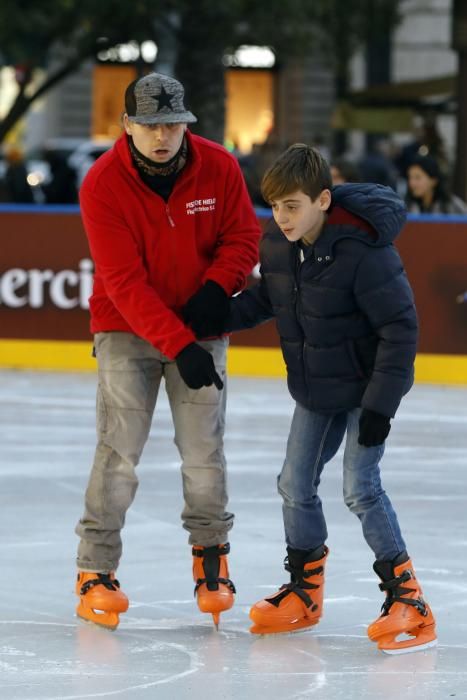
(59, 355)
(45, 284)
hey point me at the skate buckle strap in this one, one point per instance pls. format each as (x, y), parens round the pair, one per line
(217, 550)
(395, 591)
(300, 574)
(288, 588)
(211, 567)
(102, 579)
(298, 585)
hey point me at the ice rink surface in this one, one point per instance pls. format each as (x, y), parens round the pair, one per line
(164, 648)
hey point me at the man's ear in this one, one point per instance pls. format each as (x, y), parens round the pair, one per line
(127, 124)
(325, 200)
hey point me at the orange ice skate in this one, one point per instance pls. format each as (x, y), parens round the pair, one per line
(297, 604)
(214, 590)
(100, 599)
(406, 623)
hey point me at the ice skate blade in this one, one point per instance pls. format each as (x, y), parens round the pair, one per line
(300, 626)
(216, 619)
(109, 620)
(410, 649)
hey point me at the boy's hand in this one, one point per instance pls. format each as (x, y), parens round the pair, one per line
(207, 310)
(197, 368)
(374, 428)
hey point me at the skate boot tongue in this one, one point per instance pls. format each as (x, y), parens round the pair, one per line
(385, 569)
(297, 558)
(214, 590)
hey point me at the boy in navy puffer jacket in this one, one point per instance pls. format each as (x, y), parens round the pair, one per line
(344, 309)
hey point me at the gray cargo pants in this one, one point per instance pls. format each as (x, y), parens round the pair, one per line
(130, 373)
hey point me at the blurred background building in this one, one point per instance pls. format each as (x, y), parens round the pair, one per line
(362, 92)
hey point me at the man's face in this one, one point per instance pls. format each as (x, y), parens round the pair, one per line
(299, 217)
(158, 142)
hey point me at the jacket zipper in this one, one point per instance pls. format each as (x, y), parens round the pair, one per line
(171, 221)
(297, 304)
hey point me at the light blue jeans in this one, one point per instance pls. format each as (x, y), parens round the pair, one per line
(313, 440)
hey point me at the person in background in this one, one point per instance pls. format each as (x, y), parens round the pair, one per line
(173, 235)
(62, 188)
(16, 184)
(427, 141)
(376, 165)
(427, 191)
(344, 170)
(334, 281)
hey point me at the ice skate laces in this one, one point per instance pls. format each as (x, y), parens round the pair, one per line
(102, 580)
(394, 592)
(211, 566)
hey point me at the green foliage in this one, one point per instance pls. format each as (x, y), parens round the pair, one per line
(28, 32)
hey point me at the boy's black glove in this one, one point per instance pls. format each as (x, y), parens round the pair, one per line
(374, 428)
(207, 310)
(196, 367)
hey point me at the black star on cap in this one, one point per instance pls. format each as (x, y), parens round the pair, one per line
(164, 99)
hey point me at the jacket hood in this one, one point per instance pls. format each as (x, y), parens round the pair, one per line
(378, 205)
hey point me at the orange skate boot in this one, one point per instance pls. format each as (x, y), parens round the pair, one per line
(100, 599)
(406, 622)
(297, 604)
(214, 590)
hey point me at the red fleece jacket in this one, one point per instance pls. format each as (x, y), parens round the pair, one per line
(151, 256)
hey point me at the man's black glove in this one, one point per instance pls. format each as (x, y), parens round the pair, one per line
(196, 367)
(207, 310)
(374, 428)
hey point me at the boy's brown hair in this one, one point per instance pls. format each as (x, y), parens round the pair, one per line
(300, 167)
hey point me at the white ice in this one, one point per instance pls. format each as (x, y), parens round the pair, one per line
(164, 648)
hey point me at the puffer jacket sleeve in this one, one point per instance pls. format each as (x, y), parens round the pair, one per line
(383, 293)
(250, 308)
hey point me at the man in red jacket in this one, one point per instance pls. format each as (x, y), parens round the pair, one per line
(173, 235)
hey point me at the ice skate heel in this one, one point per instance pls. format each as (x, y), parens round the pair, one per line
(297, 604)
(406, 622)
(100, 599)
(214, 590)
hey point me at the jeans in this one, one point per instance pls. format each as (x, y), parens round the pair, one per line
(313, 440)
(130, 374)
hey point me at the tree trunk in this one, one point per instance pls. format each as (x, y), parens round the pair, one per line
(19, 107)
(22, 102)
(459, 44)
(199, 67)
(460, 171)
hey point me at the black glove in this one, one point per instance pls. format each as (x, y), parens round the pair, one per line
(374, 428)
(207, 310)
(196, 367)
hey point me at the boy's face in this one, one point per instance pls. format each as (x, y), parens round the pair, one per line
(298, 217)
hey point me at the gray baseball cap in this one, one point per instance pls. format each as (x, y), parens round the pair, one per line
(156, 99)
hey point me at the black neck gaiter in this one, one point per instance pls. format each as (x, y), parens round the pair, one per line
(159, 177)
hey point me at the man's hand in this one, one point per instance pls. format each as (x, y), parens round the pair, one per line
(196, 367)
(374, 428)
(207, 310)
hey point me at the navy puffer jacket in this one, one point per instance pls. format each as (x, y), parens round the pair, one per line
(345, 315)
